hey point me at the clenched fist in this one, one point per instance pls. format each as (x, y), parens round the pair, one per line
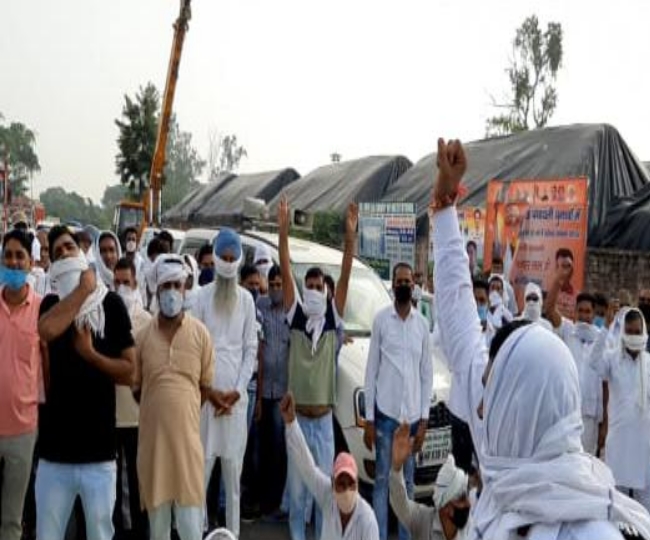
(452, 164)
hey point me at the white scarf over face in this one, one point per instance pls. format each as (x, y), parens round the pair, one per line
(642, 398)
(105, 273)
(91, 315)
(533, 466)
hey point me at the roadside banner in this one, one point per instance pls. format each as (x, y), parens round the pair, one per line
(532, 226)
(471, 220)
(387, 235)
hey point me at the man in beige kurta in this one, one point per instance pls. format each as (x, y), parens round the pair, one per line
(174, 370)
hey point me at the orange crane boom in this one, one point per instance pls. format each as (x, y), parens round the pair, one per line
(154, 203)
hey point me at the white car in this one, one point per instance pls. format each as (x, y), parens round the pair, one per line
(366, 296)
(150, 232)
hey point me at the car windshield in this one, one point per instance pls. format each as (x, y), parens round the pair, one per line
(366, 296)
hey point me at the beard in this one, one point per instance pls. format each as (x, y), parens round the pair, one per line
(226, 295)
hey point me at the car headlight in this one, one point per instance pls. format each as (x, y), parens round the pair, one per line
(360, 407)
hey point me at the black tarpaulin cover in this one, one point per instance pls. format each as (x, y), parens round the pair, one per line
(596, 151)
(181, 211)
(225, 196)
(628, 223)
(332, 187)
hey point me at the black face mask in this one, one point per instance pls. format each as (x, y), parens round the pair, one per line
(403, 294)
(460, 517)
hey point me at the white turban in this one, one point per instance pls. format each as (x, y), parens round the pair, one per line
(451, 484)
(169, 268)
(262, 253)
(533, 467)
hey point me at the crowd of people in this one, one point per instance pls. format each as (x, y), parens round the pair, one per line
(144, 394)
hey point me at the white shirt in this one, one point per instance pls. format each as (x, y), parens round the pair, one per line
(465, 348)
(627, 450)
(399, 372)
(235, 349)
(591, 384)
(362, 524)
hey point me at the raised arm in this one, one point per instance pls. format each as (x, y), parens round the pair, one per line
(351, 222)
(288, 285)
(58, 319)
(562, 276)
(319, 485)
(460, 330)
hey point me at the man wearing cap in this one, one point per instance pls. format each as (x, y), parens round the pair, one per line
(174, 371)
(228, 311)
(448, 517)
(345, 513)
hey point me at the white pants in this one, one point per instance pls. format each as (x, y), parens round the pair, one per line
(231, 477)
(187, 518)
(590, 435)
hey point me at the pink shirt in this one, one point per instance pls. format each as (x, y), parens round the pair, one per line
(20, 365)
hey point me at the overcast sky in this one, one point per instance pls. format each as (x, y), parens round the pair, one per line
(299, 79)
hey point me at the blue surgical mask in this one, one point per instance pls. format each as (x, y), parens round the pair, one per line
(206, 276)
(13, 279)
(599, 322)
(171, 303)
(482, 312)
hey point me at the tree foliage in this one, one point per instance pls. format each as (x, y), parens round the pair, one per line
(224, 155)
(537, 57)
(136, 142)
(183, 166)
(71, 206)
(17, 143)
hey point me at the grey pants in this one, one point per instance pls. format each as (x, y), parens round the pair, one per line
(17, 453)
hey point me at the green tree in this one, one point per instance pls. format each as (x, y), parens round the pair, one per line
(72, 206)
(182, 168)
(17, 143)
(224, 155)
(537, 57)
(136, 142)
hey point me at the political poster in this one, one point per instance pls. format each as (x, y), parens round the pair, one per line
(533, 226)
(387, 235)
(471, 220)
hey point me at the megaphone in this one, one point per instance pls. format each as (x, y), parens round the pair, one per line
(302, 220)
(255, 209)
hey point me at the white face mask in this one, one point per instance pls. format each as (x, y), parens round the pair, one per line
(585, 332)
(171, 302)
(634, 343)
(533, 311)
(131, 246)
(346, 501)
(315, 303)
(66, 283)
(264, 269)
(225, 269)
(495, 299)
(127, 294)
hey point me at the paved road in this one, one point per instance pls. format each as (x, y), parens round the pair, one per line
(275, 531)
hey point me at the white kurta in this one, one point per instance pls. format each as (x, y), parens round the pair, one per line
(362, 524)
(627, 449)
(464, 346)
(235, 348)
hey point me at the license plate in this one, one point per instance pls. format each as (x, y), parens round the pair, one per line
(436, 448)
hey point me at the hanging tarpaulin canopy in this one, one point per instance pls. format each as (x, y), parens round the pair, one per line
(332, 187)
(594, 151)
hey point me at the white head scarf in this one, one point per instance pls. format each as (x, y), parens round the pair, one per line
(91, 315)
(532, 310)
(642, 399)
(104, 272)
(532, 462)
(451, 484)
(169, 268)
(263, 253)
(221, 534)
